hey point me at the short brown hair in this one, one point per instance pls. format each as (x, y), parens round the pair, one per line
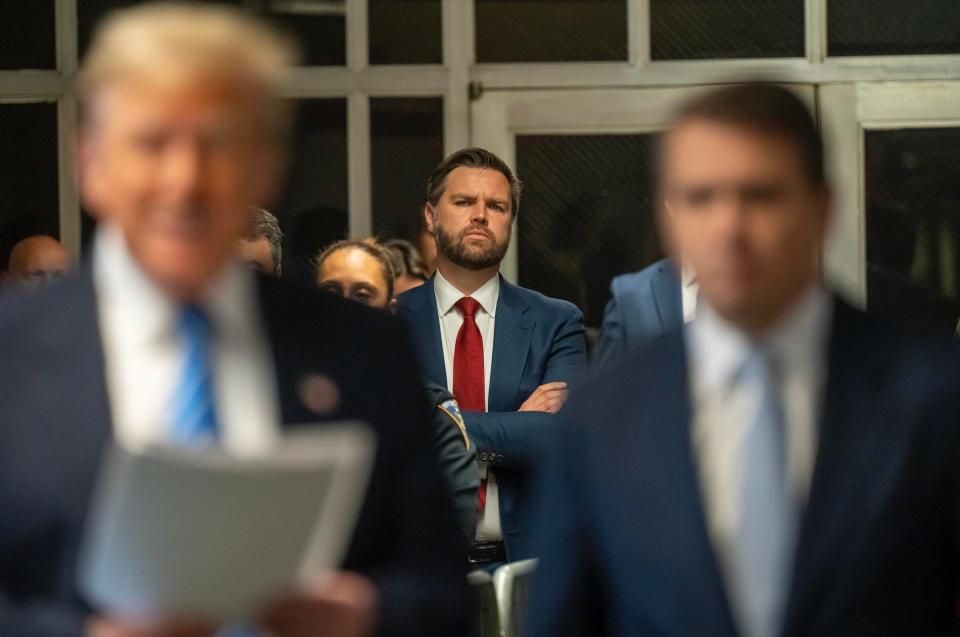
(762, 107)
(472, 158)
(369, 245)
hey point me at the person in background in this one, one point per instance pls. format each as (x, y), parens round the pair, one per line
(643, 306)
(407, 264)
(37, 260)
(426, 245)
(505, 352)
(262, 245)
(362, 270)
(166, 337)
(782, 465)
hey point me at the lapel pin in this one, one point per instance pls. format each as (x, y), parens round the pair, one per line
(319, 393)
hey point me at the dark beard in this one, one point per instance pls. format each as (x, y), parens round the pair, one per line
(454, 250)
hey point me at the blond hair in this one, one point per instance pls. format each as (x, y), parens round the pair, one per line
(170, 40)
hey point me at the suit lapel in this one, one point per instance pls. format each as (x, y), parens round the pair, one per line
(681, 520)
(511, 342)
(858, 456)
(665, 286)
(424, 323)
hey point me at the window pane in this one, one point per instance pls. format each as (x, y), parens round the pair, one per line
(405, 32)
(586, 216)
(893, 27)
(27, 34)
(702, 29)
(406, 143)
(549, 31)
(29, 199)
(313, 207)
(318, 25)
(913, 224)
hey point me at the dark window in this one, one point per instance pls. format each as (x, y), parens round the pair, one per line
(405, 31)
(29, 189)
(27, 34)
(318, 25)
(313, 207)
(587, 214)
(406, 143)
(913, 224)
(704, 29)
(893, 27)
(542, 31)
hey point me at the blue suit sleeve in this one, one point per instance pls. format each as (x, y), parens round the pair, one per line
(517, 438)
(612, 333)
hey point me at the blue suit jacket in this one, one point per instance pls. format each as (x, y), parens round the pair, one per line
(643, 305)
(627, 548)
(537, 340)
(55, 419)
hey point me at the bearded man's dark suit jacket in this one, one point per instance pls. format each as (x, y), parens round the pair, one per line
(627, 550)
(537, 340)
(55, 420)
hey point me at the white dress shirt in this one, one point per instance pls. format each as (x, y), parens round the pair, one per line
(143, 357)
(487, 295)
(723, 408)
(689, 291)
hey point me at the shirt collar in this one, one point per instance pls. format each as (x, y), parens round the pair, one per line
(125, 288)
(799, 341)
(447, 295)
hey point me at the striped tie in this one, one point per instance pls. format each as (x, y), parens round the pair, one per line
(193, 416)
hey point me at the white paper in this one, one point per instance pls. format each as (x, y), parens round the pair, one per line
(209, 535)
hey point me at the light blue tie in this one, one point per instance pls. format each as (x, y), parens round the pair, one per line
(764, 541)
(193, 415)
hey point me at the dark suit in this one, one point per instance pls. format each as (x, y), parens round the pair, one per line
(537, 340)
(627, 547)
(643, 305)
(55, 419)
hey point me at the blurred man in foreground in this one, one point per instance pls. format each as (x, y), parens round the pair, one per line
(37, 260)
(166, 331)
(361, 270)
(785, 464)
(262, 245)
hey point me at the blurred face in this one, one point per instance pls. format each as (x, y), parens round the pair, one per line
(355, 275)
(472, 221)
(176, 166)
(258, 254)
(743, 213)
(36, 261)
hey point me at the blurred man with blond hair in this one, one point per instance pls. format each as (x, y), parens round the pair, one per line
(166, 337)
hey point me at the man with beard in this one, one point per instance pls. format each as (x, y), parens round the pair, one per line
(505, 352)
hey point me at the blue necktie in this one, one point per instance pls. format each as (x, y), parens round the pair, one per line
(193, 416)
(764, 541)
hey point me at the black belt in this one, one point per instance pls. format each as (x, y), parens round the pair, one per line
(487, 552)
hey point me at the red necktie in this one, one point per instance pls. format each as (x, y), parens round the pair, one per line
(468, 382)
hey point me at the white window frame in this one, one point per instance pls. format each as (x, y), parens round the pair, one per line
(459, 76)
(847, 111)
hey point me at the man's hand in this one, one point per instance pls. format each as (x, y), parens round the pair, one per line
(343, 604)
(549, 398)
(101, 626)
